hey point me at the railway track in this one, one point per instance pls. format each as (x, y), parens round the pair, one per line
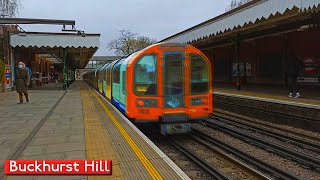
(264, 143)
(310, 123)
(302, 142)
(270, 112)
(214, 161)
(214, 172)
(248, 159)
(264, 125)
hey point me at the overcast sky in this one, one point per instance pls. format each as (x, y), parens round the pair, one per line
(157, 19)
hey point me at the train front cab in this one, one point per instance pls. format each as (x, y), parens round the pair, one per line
(172, 88)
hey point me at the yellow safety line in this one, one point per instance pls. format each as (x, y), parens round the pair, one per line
(142, 157)
(97, 141)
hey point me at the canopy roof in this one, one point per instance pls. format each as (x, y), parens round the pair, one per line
(249, 13)
(36, 21)
(80, 47)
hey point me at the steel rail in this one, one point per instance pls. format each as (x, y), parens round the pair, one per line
(199, 161)
(241, 164)
(293, 140)
(281, 114)
(282, 150)
(277, 128)
(261, 165)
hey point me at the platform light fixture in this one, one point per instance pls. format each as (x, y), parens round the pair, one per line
(73, 29)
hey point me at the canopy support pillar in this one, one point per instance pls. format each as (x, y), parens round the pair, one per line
(236, 55)
(64, 69)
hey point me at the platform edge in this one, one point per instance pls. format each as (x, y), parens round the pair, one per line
(147, 140)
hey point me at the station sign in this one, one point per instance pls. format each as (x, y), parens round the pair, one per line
(244, 67)
(311, 70)
(8, 78)
(7, 75)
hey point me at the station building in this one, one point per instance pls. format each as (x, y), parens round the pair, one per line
(253, 43)
(46, 53)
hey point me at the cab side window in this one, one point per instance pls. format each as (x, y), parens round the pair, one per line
(145, 82)
(199, 75)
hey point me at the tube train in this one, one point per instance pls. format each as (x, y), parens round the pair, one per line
(166, 83)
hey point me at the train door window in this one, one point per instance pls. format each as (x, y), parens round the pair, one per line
(174, 75)
(199, 75)
(116, 72)
(124, 91)
(108, 74)
(145, 82)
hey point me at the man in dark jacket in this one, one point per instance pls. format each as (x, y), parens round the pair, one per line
(22, 82)
(293, 69)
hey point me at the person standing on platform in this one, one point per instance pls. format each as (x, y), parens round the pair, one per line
(293, 70)
(22, 82)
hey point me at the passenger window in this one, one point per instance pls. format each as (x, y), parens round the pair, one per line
(145, 76)
(116, 75)
(199, 75)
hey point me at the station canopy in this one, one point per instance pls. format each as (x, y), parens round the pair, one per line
(267, 13)
(79, 47)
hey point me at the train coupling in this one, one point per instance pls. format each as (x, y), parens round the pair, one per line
(175, 128)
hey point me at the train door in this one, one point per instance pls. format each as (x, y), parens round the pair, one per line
(116, 86)
(173, 76)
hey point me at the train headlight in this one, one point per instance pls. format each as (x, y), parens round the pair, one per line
(199, 101)
(147, 103)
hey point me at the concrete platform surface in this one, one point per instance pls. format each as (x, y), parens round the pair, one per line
(76, 124)
(309, 96)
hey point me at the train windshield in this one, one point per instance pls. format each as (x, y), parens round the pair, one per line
(199, 75)
(145, 76)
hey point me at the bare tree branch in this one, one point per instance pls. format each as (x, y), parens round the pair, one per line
(128, 43)
(236, 3)
(9, 7)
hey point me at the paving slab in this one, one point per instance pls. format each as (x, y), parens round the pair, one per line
(49, 140)
(61, 136)
(19, 120)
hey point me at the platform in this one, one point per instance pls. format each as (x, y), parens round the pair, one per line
(310, 97)
(271, 104)
(78, 124)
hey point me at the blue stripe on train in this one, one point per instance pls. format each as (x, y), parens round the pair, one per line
(119, 105)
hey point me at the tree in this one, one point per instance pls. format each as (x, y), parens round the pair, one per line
(9, 7)
(236, 3)
(128, 43)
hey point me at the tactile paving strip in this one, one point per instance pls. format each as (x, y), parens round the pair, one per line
(98, 142)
